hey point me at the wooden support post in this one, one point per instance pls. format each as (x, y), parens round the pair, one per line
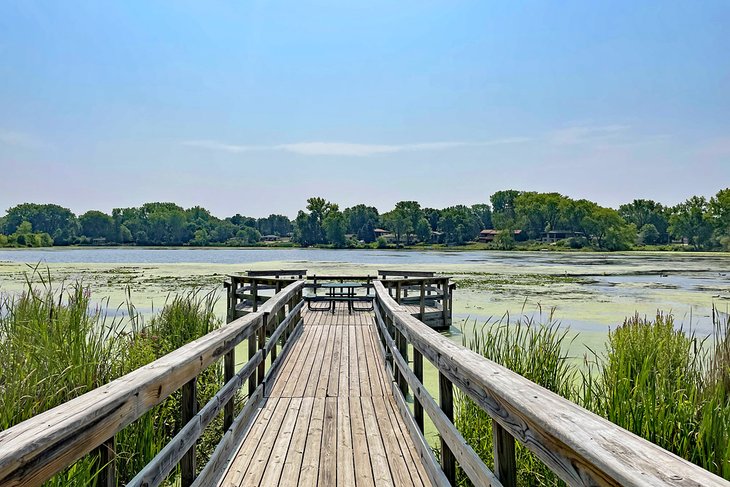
(403, 350)
(389, 329)
(252, 381)
(262, 345)
(107, 464)
(189, 409)
(423, 301)
(418, 371)
(229, 370)
(505, 465)
(397, 292)
(231, 295)
(446, 402)
(255, 295)
(445, 301)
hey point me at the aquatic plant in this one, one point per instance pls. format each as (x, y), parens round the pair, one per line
(56, 345)
(533, 349)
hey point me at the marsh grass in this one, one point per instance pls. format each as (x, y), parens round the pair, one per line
(55, 345)
(534, 349)
(653, 379)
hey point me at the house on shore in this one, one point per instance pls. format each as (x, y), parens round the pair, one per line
(488, 235)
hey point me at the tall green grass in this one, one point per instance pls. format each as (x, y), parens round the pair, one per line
(533, 350)
(653, 379)
(56, 345)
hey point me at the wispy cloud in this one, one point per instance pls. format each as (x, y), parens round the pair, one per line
(348, 148)
(583, 134)
(18, 139)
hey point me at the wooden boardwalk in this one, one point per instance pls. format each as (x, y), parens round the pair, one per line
(329, 416)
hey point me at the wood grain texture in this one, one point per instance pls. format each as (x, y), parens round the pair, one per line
(579, 446)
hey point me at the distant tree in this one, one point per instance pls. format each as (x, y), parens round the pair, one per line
(274, 225)
(398, 222)
(648, 234)
(366, 233)
(97, 224)
(642, 212)
(484, 214)
(412, 211)
(55, 220)
(307, 230)
(246, 236)
(360, 220)
(539, 212)
(691, 220)
(505, 239)
(335, 227)
(608, 229)
(459, 224)
(432, 215)
(719, 216)
(423, 230)
(503, 208)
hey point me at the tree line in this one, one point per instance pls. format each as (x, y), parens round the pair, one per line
(698, 223)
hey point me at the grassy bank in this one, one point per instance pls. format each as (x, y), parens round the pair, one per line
(670, 387)
(55, 346)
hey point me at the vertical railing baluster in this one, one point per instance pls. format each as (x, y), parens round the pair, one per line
(107, 462)
(422, 313)
(418, 371)
(446, 401)
(505, 465)
(229, 370)
(261, 346)
(189, 409)
(403, 350)
(252, 344)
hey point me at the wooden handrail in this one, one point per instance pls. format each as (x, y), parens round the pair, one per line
(38, 448)
(579, 446)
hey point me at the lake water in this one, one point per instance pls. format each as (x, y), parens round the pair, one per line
(589, 292)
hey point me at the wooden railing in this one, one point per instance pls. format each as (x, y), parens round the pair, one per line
(580, 447)
(35, 450)
(423, 292)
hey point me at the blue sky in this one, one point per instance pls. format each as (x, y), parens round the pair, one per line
(251, 107)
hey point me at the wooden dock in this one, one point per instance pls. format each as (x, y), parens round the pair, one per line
(327, 405)
(329, 417)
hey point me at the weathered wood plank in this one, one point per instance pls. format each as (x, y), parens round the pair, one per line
(328, 455)
(34, 450)
(579, 446)
(273, 468)
(295, 455)
(310, 463)
(363, 467)
(345, 459)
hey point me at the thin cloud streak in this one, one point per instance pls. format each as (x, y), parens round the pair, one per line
(18, 139)
(347, 148)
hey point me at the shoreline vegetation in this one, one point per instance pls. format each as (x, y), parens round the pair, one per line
(669, 386)
(514, 220)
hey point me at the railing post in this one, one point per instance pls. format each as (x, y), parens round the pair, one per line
(418, 371)
(397, 292)
(189, 409)
(252, 381)
(229, 370)
(389, 329)
(107, 464)
(445, 301)
(446, 402)
(262, 345)
(403, 350)
(255, 295)
(423, 301)
(505, 465)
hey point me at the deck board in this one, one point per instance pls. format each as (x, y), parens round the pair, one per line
(329, 417)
